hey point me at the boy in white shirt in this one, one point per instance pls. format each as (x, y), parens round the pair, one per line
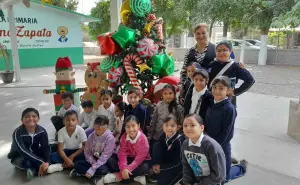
(88, 116)
(71, 142)
(67, 101)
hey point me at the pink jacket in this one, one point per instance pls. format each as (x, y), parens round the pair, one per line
(137, 149)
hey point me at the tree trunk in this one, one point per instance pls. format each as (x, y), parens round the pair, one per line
(262, 57)
(225, 29)
(211, 27)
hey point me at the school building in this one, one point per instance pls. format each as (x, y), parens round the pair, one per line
(44, 33)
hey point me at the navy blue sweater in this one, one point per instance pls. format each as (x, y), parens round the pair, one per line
(142, 115)
(235, 72)
(31, 148)
(219, 122)
(207, 99)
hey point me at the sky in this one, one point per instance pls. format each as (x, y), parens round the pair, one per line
(86, 7)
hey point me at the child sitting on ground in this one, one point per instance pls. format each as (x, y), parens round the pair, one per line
(30, 150)
(67, 99)
(203, 159)
(98, 149)
(88, 116)
(219, 124)
(119, 114)
(191, 68)
(107, 108)
(198, 98)
(133, 155)
(167, 106)
(71, 142)
(166, 154)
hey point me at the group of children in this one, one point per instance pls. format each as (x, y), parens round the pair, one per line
(187, 140)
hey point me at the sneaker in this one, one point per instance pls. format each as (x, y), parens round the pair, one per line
(97, 181)
(152, 178)
(55, 168)
(73, 173)
(109, 178)
(234, 160)
(244, 163)
(140, 179)
(29, 174)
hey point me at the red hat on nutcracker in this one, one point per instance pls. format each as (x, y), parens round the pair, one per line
(63, 64)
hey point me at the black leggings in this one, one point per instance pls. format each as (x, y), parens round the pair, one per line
(58, 122)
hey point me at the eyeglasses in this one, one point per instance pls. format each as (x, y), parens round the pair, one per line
(222, 50)
(100, 126)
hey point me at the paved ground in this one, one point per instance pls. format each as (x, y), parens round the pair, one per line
(260, 134)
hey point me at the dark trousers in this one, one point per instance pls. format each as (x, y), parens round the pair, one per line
(168, 175)
(23, 163)
(151, 147)
(55, 157)
(83, 166)
(141, 170)
(232, 172)
(58, 122)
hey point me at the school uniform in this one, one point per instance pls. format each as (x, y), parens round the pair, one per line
(110, 114)
(203, 162)
(29, 151)
(160, 113)
(57, 120)
(133, 155)
(97, 151)
(219, 125)
(235, 73)
(71, 144)
(197, 102)
(141, 113)
(86, 120)
(167, 153)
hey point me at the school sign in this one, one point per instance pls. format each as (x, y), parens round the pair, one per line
(44, 33)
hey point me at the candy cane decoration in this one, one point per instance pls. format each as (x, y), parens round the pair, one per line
(133, 57)
(130, 72)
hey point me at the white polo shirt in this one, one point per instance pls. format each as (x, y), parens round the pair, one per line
(73, 142)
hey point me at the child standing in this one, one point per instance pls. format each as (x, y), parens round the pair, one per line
(30, 150)
(167, 106)
(98, 149)
(203, 159)
(71, 142)
(136, 108)
(220, 119)
(133, 154)
(67, 99)
(88, 116)
(198, 98)
(119, 114)
(190, 69)
(166, 154)
(107, 108)
(224, 66)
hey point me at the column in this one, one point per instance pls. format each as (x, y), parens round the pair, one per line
(115, 19)
(14, 43)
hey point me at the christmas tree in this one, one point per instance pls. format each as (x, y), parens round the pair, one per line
(135, 52)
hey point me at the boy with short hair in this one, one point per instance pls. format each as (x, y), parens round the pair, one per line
(88, 116)
(30, 150)
(71, 142)
(67, 99)
(203, 158)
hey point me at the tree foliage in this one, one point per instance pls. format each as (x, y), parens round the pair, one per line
(101, 11)
(67, 4)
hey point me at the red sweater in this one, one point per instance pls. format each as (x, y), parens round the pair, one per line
(137, 149)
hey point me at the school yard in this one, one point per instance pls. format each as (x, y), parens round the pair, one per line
(260, 134)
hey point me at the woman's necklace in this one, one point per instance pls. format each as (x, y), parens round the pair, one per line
(201, 48)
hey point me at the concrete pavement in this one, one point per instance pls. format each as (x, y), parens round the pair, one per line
(260, 132)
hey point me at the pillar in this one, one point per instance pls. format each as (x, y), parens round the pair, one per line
(115, 19)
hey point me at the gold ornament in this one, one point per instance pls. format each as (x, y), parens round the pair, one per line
(148, 26)
(125, 12)
(143, 67)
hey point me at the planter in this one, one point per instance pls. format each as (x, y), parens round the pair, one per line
(7, 76)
